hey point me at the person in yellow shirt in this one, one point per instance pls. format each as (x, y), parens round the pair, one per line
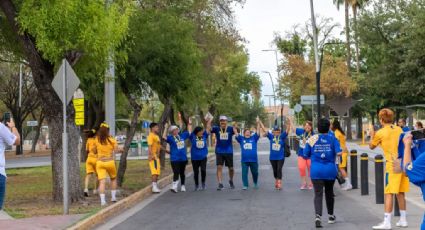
(154, 146)
(340, 136)
(90, 161)
(106, 146)
(388, 137)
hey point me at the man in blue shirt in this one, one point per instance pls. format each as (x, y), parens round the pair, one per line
(224, 151)
(402, 123)
(322, 149)
(249, 154)
(415, 169)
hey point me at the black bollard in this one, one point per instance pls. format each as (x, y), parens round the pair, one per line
(364, 171)
(396, 207)
(379, 179)
(353, 164)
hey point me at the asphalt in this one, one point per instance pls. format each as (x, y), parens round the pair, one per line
(264, 208)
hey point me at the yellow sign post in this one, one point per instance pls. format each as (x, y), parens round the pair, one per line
(79, 111)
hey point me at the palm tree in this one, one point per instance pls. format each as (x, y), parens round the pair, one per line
(355, 5)
(338, 3)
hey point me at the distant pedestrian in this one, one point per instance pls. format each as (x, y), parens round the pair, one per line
(199, 154)
(402, 123)
(9, 135)
(154, 147)
(340, 136)
(388, 138)
(277, 150)
(249, 159)
(323, 148)
(419, 125)
(90, 161)
(304, 162)
(224, 151)
(105, 147)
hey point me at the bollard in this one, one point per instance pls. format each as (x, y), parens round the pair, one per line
(379, 179)
(353, 164)
(396, 207)
(364, 171)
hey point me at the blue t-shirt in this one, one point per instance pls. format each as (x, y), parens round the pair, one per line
(323, 150)
(300, 132)
(405, 129)
(178, 149)
(248, 147)
(224, 140)
(277, 146)
(199, 150)
(416, 173)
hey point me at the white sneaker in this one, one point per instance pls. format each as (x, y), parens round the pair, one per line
(383, 225)
(183, 188)
(155, 189)
(102, 203)
(174, 187)
(402, 224)
(347, 187)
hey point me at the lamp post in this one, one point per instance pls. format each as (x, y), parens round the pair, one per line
(274, 107)
(316, 57)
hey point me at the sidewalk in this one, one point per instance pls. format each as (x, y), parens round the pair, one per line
(38, 223)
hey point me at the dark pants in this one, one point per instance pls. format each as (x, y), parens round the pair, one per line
(179, 167)
(196, 164)
(2, 190)
(254, 171)
(328, 186)
(277, 168)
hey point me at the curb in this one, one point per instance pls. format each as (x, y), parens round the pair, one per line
(126, 203)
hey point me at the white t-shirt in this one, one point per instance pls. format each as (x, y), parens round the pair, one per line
(6, 138)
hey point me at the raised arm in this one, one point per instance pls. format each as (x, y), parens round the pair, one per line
(209, 126)
(164, 133)
(235, 130)
(258, 126)
(288, 125)
(189, 125)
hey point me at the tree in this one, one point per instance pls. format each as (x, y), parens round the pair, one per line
(46, 31)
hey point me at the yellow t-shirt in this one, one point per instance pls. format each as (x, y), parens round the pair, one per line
(90, 146)
(155, 143)
(341, 139)
(388, 138)
(105, 150)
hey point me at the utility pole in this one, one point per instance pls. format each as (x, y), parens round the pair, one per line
(316, 57)
(110, 90)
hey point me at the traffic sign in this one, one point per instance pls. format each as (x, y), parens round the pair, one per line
(291, 112)
(32, 123)
(72, 82)
(311, 99)
(79, 111)
(145, 124)
(298, 108)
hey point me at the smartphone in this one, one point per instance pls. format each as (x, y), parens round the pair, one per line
(6, 118)
(418, 134)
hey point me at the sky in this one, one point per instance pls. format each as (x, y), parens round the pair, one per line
(259, 20)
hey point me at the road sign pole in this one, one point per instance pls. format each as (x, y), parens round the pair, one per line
(64, 145)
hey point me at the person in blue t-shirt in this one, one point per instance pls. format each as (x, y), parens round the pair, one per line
(249, 158)
(224, 151)
(304, 163)
(178, 156)
(323, 149)
(199, 152)
(402, 123)
(414, 169)
(277, 150)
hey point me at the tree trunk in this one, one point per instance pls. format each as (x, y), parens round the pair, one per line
(38, 131)
(19, 148)
(130, 134)
(42, 71)
(347, 37)
(359, 126)
(164, 118)
(356, 39)
(372, 116)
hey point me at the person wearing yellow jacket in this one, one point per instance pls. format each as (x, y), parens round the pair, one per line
(90, 161)
(106, 146)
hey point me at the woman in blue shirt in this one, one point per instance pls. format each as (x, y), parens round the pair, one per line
(178, 157)
(277, 150)
(322, 149)
(304, 163)
(199, 152)
(249, 159)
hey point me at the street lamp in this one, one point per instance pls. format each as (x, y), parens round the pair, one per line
(274, 96)
(316, 57)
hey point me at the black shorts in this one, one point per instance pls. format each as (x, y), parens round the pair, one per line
(224, 159)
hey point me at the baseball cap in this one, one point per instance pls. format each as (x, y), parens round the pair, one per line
(276, 128)
(172, 128)
(223, 118)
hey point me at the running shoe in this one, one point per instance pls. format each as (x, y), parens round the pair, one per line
(220, 187)
(86, 194)
(244, 188)
(183, 188)
(310, 187)
(197, 188)
(279, 184)
(155, 189)
(332, 219)
(318, 221)
(276, 184)
(232, 186)
(402, 224)
(347, 187)
(203, 186)
(382, 226)
(256, 186)
(174, 187)
(303, 187)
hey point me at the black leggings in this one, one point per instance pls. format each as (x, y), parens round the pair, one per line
(179, 167)
(328, 185)
(277, 168)
(196, 164)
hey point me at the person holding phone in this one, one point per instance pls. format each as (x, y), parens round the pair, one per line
(388, 137)
(9, 135)
(304, 162)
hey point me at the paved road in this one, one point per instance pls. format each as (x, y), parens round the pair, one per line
(28, 162)
(264, 208)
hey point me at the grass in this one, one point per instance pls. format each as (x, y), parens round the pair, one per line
(29, 190)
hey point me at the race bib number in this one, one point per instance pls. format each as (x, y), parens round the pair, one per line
(302, 144)
(247, 146)
(200, 144)
(224, 136)
(276, 147)
(180, 144)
